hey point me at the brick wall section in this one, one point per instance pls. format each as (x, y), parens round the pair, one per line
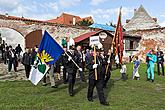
(151, 38)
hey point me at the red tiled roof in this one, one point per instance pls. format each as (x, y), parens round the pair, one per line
(67, 19)
(85, 36)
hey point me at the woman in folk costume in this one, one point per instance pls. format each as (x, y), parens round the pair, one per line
(151, 57)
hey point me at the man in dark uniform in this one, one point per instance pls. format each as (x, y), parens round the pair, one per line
(93, 82)
(71, 69)
(79, 55)
(160, 61)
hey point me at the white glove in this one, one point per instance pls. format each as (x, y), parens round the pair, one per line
(69, 58)
(62, 67)
(95, 66)
(80, 69)
(108, 61)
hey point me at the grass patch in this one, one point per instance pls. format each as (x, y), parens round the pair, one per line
(122, 95)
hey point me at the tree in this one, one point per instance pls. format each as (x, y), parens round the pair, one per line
(114, 25)
(84, 23)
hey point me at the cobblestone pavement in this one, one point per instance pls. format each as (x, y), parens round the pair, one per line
(5, 75)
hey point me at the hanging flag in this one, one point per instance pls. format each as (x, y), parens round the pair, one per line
(118, 41)
(48, 53)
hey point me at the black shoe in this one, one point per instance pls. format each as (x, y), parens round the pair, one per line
(105, 103)
(65, 82)
(44, 84)
(71, 94)
(152, 80)
(54, 86)
(90, 100)
(148, 79)
(83, 80)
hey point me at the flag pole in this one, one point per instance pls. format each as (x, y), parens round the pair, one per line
(113, 41)
(72, 60)
(95, 62)
(110, 55)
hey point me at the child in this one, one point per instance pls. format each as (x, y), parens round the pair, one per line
(123, 71)
(135, 74)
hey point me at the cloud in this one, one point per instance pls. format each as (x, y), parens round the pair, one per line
(110, 14)
(69, 3)
(50, 5)
(33, 10)
(96, 2)
(8, 5)
(162, 24)
(162, 15)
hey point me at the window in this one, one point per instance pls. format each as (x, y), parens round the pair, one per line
(131, 44)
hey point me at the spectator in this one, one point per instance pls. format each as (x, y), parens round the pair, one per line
(18, 50)
(135, 68)
(151, 59)
(160, 61)
(123, 71)
(27, 61)
(33, 54)
(12, 59)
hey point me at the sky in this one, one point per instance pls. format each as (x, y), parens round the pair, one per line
(102, 11)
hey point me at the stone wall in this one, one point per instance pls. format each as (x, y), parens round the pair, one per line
(151, 38)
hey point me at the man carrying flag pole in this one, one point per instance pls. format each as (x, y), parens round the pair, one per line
(48, 53)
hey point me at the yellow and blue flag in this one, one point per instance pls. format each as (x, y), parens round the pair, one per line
(50, 48)
(48, 53)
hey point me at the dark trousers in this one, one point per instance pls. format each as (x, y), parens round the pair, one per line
(5, 60)
(71, 80)
(44, 79)
(27, 70)
(2, 51)
(99, 86)
(82, 77)
(64, 75)
(162, 65)
(107, 77)
(123, 77)
(10, 63)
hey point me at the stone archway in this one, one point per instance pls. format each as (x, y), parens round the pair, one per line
(33, 38)
(12, 37)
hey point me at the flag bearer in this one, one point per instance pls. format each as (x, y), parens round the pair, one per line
(71, 70)
(92, 81)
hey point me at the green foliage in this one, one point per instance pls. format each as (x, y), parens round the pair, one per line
(114, 25)
(85, 23)
(122, 95)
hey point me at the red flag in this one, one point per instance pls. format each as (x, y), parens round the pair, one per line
(119, 46)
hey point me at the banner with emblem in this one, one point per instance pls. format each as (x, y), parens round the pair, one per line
(48, 53)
